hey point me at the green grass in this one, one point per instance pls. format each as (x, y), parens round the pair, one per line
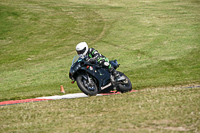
(156, 42)
(151, 110)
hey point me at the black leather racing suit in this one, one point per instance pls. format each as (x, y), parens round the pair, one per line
(94, 55)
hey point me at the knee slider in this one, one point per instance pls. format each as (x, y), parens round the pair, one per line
(106, 64)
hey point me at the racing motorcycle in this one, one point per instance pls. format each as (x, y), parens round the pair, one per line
(92, 78)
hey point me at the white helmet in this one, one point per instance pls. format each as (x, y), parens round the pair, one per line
(82, 48)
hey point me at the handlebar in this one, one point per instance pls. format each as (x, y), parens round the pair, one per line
(91, 64)
(88, 63)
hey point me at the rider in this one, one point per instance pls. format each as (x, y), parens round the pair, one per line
(94, 56)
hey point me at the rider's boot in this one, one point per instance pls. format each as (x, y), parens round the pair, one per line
(116, 75)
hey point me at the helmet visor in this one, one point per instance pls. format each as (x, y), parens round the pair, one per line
(81, 51)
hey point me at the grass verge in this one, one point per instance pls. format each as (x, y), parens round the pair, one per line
(156, 42)
(173, 109)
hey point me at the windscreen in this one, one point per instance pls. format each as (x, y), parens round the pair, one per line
(76, 57)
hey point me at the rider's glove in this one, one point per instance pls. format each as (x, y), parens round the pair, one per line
(91, 60)
(101, 62)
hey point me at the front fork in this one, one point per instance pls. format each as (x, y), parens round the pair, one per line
(88, 82)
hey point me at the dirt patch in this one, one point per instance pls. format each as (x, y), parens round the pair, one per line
(176, 128)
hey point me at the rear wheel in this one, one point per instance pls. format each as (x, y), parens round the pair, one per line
(125, 85)
(87, 85)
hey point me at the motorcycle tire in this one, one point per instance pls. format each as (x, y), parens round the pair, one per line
(81, 86)
(125, 87)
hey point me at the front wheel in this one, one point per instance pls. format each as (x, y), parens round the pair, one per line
(125, 85)
(87, 85)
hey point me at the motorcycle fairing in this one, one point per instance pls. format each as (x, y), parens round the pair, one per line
(102, 75)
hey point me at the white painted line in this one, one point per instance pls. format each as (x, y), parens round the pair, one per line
(67, 96)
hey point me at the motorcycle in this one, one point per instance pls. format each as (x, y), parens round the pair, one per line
(92, 78)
